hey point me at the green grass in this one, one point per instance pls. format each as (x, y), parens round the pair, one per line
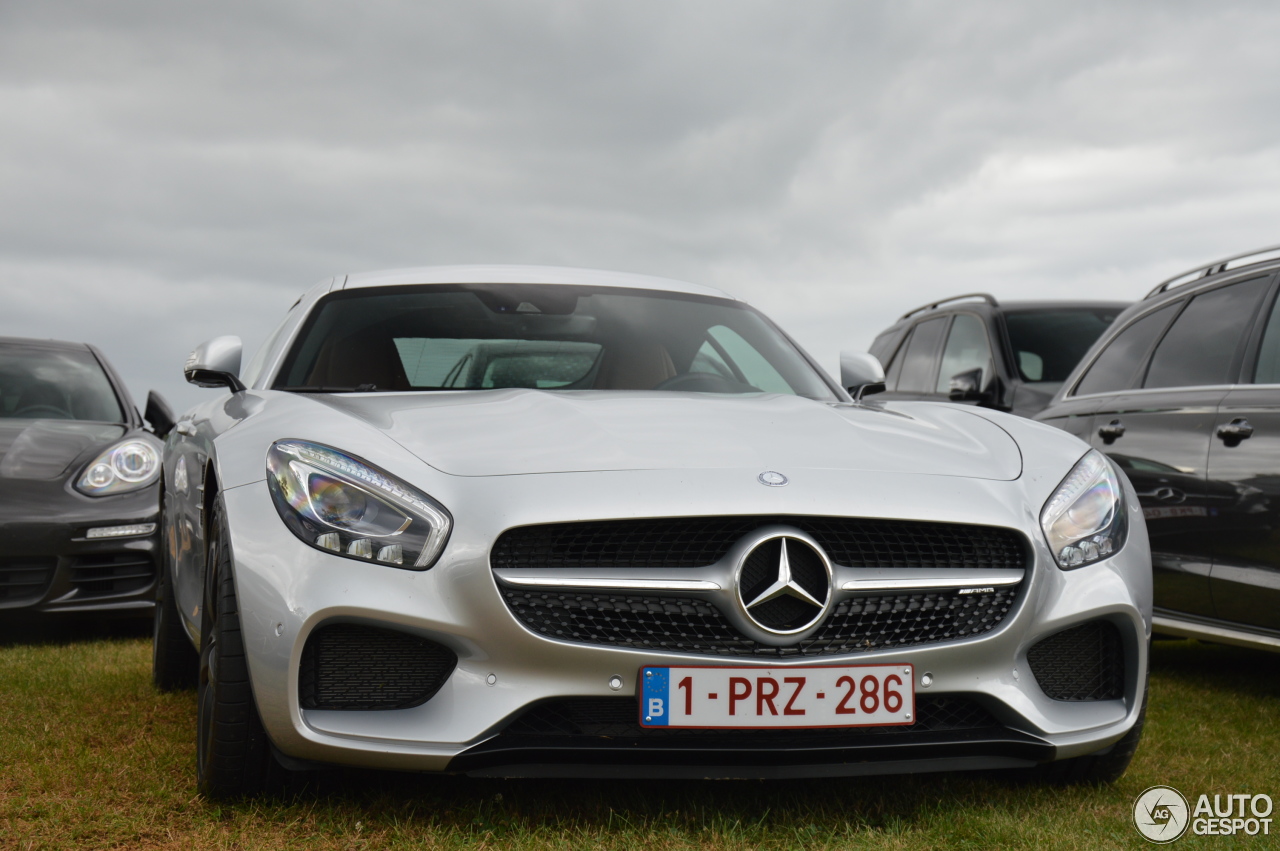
(92, 757)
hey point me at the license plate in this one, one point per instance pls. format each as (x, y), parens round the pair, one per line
(726, 697)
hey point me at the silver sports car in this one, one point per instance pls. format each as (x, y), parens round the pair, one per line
(524, 521)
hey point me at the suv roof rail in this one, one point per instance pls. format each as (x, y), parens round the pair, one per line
(987, 297)
(1214, 268)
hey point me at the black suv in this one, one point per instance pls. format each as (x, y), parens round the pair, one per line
(1012, 356)
(1183, 393)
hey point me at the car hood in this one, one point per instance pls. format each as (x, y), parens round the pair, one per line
(514, 432)
(46, 449)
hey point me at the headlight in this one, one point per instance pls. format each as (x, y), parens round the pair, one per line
(1084, 519)
(128, 466)
(346, 506)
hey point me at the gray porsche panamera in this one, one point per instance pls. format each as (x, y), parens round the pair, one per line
(529, 521)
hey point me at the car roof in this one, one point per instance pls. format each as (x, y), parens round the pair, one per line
(1063, 305)
(42, 344)
(512, 274)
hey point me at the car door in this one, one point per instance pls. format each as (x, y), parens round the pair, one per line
(1244, 464)
(1159, 432)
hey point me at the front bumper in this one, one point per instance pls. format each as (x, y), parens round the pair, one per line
(287, 590)
(48, 566)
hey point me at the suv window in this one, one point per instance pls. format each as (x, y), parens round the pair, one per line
(920, 356)
(1048, 344)
(1200, 347)
(967, 349)
(1267, 370)
(1117, 367)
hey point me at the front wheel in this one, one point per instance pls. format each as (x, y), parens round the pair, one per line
(233, 753)
(1095, 769)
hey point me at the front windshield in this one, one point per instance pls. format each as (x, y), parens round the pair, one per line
(545, 337)
(40, 383)
(1048, 344)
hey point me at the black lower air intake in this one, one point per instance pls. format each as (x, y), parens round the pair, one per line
(350, 666)
(1085, 662)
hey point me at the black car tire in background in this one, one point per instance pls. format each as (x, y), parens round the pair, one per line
(233, 754)
(175, 665)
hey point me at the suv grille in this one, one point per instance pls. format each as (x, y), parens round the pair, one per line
(1085, 662)
(616, 717)
(348, 666)
(23, 579)
(694, 626)
(701, 541)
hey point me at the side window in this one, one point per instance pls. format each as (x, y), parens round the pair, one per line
(894, 367)
(967, 349)
(920, 356)
(1200, 347)
(1267, 370)
(1117, 367)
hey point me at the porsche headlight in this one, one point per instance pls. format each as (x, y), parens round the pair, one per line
(1084, 520)
(343, 505)
(128, 466)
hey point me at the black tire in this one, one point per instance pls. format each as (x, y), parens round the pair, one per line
(1094, 769)
(175, 664)
(233, 754)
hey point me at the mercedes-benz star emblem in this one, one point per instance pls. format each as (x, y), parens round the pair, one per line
(772, 479)
(784, 585)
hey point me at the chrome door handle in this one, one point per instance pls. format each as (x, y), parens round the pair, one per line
(1111, 431)
(1235, 431)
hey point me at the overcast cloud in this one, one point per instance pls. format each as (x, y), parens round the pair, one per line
(169, 173)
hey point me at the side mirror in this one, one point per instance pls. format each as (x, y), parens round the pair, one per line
(215, 363)
(967, 387)
(861, 374)
(159, 415)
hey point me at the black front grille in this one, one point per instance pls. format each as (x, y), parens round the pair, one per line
(1085, 662)
(687, 625)
(700, 541)
(349, 666)
(111, 574)
(617, 717)
(25, 579)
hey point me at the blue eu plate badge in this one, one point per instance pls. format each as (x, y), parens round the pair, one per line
(655, 685)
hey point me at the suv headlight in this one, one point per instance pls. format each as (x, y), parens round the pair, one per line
(128, 466)
(343, 505)
(1084, 520)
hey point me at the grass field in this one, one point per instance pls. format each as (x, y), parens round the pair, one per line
(92, 757)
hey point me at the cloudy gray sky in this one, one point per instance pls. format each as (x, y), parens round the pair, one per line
(169, 173)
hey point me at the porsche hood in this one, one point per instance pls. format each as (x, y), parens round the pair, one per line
(46, 449)
(516, 432)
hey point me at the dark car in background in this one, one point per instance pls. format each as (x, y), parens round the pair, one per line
(1184, 394)
(1011, 356)
(78, 484)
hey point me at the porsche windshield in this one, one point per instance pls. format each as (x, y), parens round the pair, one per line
(545, 337)
(46, 383)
